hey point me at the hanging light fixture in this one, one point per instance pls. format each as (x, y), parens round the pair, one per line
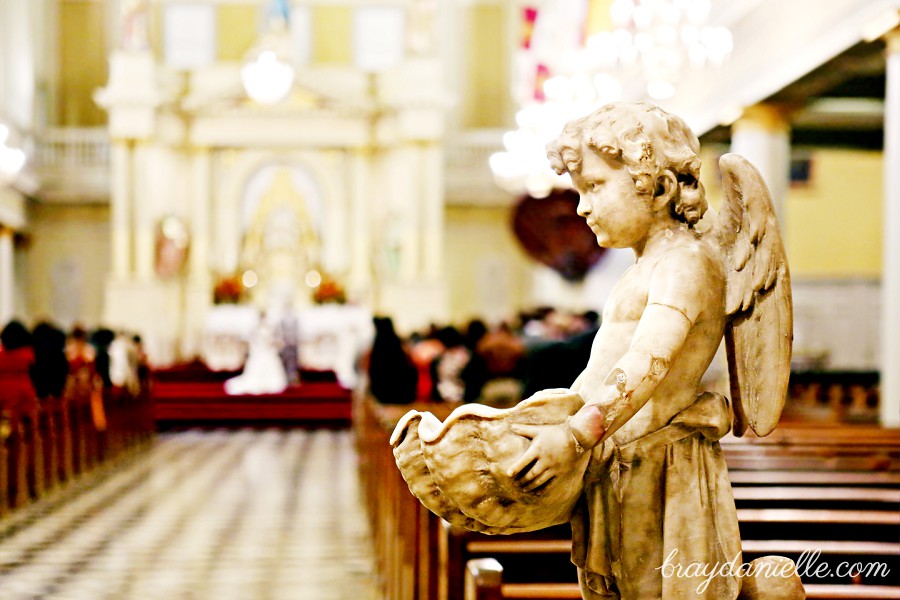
(661, 38)
(267, 74)
(656, 41)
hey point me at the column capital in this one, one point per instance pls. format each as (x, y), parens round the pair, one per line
(892, 41)
(764, 116)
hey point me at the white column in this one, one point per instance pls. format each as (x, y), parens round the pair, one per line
(452, 50)
(890, 279)
(17, 61)
(404, 185)
(145, 168)
(762, 136)
(360, 197)
(7, 276)
(200, 215)
(120, 209)
(432, 190)
(227, 199)
(198, 298)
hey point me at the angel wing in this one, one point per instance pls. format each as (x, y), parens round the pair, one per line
(759, 331)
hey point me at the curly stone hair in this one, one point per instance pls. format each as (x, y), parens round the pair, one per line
(648, 141)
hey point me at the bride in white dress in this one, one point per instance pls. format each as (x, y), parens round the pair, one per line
(263, 371)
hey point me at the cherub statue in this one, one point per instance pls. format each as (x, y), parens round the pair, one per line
(638, 437)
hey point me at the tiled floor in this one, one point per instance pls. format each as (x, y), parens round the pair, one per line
(246, 515)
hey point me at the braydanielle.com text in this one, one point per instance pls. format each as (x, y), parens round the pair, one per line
(807, 567)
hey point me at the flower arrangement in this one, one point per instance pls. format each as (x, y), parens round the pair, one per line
(329, 291)
(228, 290)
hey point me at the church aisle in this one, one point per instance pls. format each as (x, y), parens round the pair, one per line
(246, 515)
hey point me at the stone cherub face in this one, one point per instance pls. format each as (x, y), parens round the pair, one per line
(636, 169)
(618, 215)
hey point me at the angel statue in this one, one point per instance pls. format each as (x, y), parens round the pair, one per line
(630, 453)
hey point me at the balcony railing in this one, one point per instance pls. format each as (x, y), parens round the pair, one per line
(72, 147)
(468, 176)
(71, 164)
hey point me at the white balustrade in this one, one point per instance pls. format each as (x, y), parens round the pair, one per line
(72, 163)
(468, 176)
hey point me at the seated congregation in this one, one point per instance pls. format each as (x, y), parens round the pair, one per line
(498, 366)
(67, 404)
(547, 348)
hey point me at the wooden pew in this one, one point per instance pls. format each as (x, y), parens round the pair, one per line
(484, 581)
(833, 396)
(49, 419)
(774, 508)
(405, 533)
(15, 452)
(5, 433)
(46, 442)
(34, 444)
(798, 478)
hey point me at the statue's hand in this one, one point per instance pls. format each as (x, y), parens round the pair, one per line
(553, 451)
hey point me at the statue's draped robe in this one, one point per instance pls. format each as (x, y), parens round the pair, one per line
(665, 491)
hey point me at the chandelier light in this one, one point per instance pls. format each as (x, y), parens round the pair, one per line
(267, 78)
(522, 166)
(267, 74)
(654, 41)
(661, 38)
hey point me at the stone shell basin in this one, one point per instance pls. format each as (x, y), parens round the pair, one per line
(457, 468)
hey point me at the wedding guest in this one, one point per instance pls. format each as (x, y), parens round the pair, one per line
(79, 351)
(392, 374)
(449, 365)
(423, 353)
(16, 358)
(50, 368)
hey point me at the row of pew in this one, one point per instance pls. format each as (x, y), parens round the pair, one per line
(833, 396)
(831, 490)
(45, 442)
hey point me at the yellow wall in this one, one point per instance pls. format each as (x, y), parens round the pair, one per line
(709, 173)
(834, 224)
(66, 239)
(236, 30)
(332, 34)
(487, 87)
(82, 61)
(487, 272)
(598, 17)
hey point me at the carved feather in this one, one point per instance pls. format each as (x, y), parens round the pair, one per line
(759, 333)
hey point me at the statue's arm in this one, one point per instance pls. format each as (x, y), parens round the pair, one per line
(674, 302)
(580, 379)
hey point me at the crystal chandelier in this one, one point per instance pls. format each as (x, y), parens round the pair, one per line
(522, 166)
(653, 41)
(661, 38)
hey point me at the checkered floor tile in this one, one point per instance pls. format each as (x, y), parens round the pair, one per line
(267, 515)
